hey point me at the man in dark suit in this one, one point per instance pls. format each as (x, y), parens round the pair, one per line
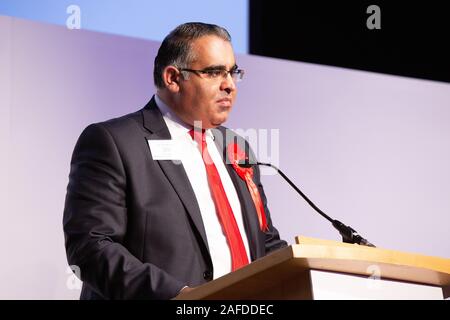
(153, 205)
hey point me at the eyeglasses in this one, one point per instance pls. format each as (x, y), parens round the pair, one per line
(236, 74)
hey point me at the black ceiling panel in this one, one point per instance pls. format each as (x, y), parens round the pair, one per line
(414, 39)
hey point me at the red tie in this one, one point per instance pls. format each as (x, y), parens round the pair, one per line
(226, 217)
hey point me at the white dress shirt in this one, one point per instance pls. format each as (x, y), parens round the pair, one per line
(195, 169)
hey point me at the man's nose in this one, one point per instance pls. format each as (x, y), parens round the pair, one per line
(228, 84)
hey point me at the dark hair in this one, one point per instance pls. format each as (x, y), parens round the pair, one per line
(175, 50)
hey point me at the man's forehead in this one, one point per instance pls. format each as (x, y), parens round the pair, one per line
(213, 51)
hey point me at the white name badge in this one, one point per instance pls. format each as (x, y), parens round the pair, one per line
(165, 149)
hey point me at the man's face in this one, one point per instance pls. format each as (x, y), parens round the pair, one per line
(205, 99)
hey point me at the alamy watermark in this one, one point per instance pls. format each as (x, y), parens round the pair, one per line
(73, 281)
(374, 282)
(374, 20)
(258, 145)
(73, 21)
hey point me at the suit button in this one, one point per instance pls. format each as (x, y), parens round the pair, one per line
(207, 275)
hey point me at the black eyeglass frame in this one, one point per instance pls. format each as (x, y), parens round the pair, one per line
(236, 74)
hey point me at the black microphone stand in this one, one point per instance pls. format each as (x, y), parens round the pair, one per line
(349, 235)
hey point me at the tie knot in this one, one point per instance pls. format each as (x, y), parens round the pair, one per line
(198, 135)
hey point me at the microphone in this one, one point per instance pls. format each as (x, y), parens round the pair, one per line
(349, 235)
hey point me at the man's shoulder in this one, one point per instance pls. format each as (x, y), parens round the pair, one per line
(121, 121)
(131, 121)
(119, 129)
(125, 125)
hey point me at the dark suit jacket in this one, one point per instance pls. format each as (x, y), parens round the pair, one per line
(132, 224)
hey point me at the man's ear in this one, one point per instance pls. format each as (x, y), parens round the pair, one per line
(171, 77)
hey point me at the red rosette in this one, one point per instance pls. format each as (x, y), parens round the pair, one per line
(235, 154)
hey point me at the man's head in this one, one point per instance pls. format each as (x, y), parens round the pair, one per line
(195, 73)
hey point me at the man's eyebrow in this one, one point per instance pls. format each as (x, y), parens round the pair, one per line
(219, 67)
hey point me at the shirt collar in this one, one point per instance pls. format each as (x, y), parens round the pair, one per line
(167, 112)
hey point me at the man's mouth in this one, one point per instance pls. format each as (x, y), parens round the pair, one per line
(224, 102)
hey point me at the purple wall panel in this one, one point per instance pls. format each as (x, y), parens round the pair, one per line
(369, 149)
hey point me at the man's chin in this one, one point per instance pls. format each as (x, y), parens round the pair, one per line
(219, 121)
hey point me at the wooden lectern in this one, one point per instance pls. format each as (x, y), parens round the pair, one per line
(323, 269)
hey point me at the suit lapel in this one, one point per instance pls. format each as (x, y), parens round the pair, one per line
(249, 214)
(175, 173)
